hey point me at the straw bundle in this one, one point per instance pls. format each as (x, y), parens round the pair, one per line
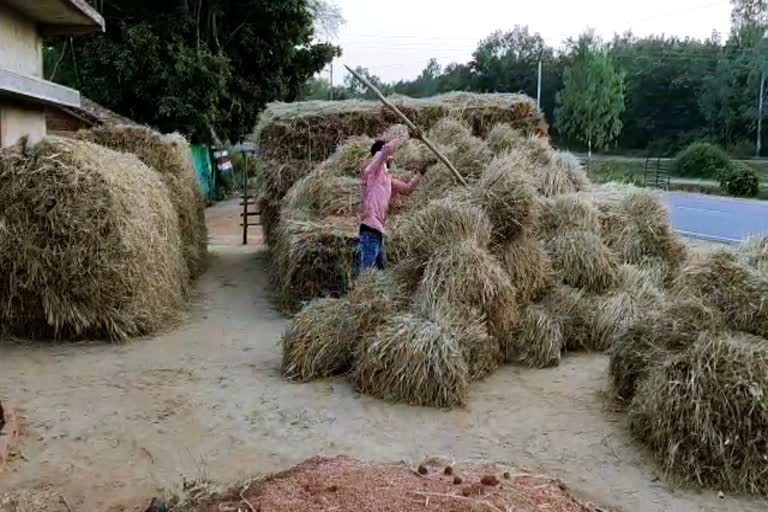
(89, 244)
(733, 288)
(273, 183)
(704, 413)
(324, 195)
(320, 341)
(575, 310)
(754, 252)
(582, 260)
(468, 276)
(350, 158)
(468, 153)
(377, 295)
(668, 327)
(413, 360)
(481, 351)
(508, 198)
(568, 213)
(636, 225)
(171, 156)
(415, 237)
(505, 139)
(571, 165)
(313, 258)
(539, 342)
(529, 268)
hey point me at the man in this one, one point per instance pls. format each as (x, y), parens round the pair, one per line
(379, 188)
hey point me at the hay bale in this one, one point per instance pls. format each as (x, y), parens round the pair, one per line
(313, 257)
(582, 260)
(469, 154)
(733, 288)
(568, 213)
(669, 327)
(575, 310)
(324, 195)
(416, 236)
(539, 342)
(571, 165)
(508, 197)
(171, 156)
(703, 413)
(89, 244)
(503, 138)
(551, 180)
(529, 268)
(415, 361)
(636, 225)
(311, 130)
(438, 183)
(349, 159)
(377, 295)
(320, 340)
(466, 275)
(481, 351)
(273, 181)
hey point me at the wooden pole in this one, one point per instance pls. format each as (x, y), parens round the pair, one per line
(410, 125)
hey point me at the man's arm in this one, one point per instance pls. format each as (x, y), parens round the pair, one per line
(389, 149)
(404, 189)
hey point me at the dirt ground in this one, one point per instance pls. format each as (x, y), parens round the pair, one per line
(108, 427)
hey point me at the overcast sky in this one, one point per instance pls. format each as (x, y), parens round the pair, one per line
(396, 38)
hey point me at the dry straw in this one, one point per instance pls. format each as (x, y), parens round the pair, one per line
(704, 413)
(529, 268)
(539, 343)
(320, 341)
(568, 213)
(582, 260)
(89, 244)
(170, 156)
(413, 360)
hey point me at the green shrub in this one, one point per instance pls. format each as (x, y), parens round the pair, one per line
(742, 149)
(740, 180)
(701, 160)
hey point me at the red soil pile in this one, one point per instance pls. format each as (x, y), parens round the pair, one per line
(346, 485)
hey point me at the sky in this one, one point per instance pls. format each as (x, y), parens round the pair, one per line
(396, 38)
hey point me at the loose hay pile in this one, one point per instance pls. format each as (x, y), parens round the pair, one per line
(89, 244)
(171, 157)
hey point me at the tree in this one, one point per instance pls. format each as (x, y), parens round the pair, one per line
(592, 100)
(202, 67)
(749, 20)
(356, 89)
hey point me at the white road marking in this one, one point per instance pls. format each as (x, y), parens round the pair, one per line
(704, 210)
(711, 238)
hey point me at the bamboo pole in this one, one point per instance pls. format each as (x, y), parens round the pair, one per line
(410, 125)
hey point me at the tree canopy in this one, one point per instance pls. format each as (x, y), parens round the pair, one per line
(202, 67)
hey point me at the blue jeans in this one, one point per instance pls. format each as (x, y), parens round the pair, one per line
(371, 248)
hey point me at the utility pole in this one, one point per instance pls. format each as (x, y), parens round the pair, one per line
(760, 115)
(331, 80)
(538, 95)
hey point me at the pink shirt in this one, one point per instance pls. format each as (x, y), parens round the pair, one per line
(378, 187)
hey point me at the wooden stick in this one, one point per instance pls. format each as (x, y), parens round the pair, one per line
(410, 125)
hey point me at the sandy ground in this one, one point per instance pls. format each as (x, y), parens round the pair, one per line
(108, 427)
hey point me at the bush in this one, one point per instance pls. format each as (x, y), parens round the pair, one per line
(701, 160)
(740, 180)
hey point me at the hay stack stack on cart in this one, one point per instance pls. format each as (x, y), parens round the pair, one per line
(100, 236)
(525, 264)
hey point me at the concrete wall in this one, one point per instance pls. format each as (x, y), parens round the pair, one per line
(21, 47)
(17, 122)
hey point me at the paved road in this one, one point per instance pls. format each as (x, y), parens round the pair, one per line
(716, 218)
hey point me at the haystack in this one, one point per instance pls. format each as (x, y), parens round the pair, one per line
(467, 276)
(273, 181)
(320, 341)
(568, 213)
(582, 260)
(529, 268)
(324, 195)
(636, 225)
(413, 360)
(89, 244)
(171, 156)
(669, 327)
(508, 197)
(312, 130)
(736, 290)
(414, 237)
(703, 413)
(313, 257)
(539, 342)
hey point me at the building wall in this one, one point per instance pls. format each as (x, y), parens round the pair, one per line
(17, 122)
(21, 48)
(60, 122)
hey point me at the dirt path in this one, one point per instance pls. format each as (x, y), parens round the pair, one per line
(110, 426)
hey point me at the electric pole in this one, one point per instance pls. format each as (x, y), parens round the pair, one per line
(331, 80)
(538, 95)
(760, 115)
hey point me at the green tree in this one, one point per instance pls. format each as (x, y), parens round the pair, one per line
(749, 20)
(202, 67)
(592, 100)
